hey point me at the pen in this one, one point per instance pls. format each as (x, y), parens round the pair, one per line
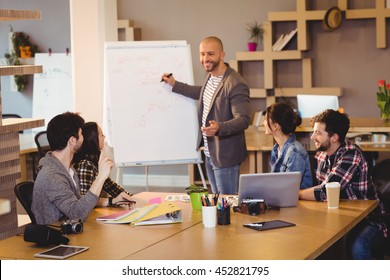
(170, 74)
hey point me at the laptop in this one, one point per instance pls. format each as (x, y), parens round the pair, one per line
(311, 105)
(277, 189)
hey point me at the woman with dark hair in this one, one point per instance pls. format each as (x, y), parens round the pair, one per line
(288, 154)
(86, 163)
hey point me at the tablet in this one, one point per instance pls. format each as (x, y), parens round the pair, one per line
(61, 252)
(269, 225)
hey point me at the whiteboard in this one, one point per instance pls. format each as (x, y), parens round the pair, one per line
(52, 90)
(147, 123)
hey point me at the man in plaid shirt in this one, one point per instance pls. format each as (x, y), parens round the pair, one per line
(338, 160)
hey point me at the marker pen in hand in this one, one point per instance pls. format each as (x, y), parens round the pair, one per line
(170, 74)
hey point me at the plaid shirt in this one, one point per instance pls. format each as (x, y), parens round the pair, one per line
(87, 172)
(349, 167)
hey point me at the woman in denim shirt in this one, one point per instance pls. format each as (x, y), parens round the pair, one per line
(288, 154)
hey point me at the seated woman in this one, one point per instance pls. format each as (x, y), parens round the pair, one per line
(288, 154)
(86, 163)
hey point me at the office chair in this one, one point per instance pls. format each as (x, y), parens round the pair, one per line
(24, 192)
(43, 147)
(42, 143)
(9, 116)
(381, 178)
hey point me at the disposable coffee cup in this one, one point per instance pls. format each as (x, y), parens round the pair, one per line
(333, 194)
(209, 216)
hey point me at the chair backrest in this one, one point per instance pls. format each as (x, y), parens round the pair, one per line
(381, 179)
(8, 116)
(24, 192)
(42, 143)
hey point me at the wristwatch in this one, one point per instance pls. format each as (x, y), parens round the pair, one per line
(110, 204)
(317, 194)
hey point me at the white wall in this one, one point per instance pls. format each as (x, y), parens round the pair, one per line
(346, 58)
(92, 23)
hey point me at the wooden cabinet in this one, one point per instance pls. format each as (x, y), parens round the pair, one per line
(9, 136)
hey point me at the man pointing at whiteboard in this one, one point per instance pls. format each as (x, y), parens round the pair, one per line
(223, 115)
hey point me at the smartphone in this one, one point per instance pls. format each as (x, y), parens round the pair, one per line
(269, 225)
(61, 252)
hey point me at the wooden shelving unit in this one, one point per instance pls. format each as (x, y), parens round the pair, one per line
(380, 13)
(269, 57)
(302, 16)
(6, 15)
(9, 136)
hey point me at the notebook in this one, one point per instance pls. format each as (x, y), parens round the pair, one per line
(277, 189)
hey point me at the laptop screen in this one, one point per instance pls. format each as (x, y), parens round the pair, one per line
(277, 189)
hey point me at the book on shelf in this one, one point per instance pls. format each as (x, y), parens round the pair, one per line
(284, 40)
(258, 118)
(275, 46)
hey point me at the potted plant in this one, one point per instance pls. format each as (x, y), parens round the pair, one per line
(256, 32)
(20, 80)
(21, 48)
(195, 192)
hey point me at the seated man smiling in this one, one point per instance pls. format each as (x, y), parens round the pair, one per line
(338, 160)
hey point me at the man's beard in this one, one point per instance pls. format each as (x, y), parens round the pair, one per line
(213, 66)
(324, 146)
(77, 148)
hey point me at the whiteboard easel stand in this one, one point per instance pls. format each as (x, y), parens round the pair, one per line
(146, 178)
(202, 176)
(119, 176)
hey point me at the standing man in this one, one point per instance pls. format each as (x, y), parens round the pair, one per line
(56, 194)
(338, 160)
(223, 115)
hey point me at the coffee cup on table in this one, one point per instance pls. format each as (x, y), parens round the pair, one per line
(333, 194)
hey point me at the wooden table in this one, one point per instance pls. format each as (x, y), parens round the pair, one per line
(317, 228)
(109, 241)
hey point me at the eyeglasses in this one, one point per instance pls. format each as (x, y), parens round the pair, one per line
(129, 203)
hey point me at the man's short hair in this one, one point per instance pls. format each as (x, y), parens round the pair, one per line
(335, 122)
(61, 128)
(214, 39)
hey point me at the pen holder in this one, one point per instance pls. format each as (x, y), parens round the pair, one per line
(223, 216)
(209, 216)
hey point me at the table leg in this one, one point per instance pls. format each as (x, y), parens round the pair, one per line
(259, 161)
(252, 161)
(23, 168)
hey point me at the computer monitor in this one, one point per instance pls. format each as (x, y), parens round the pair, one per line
(311, 105)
